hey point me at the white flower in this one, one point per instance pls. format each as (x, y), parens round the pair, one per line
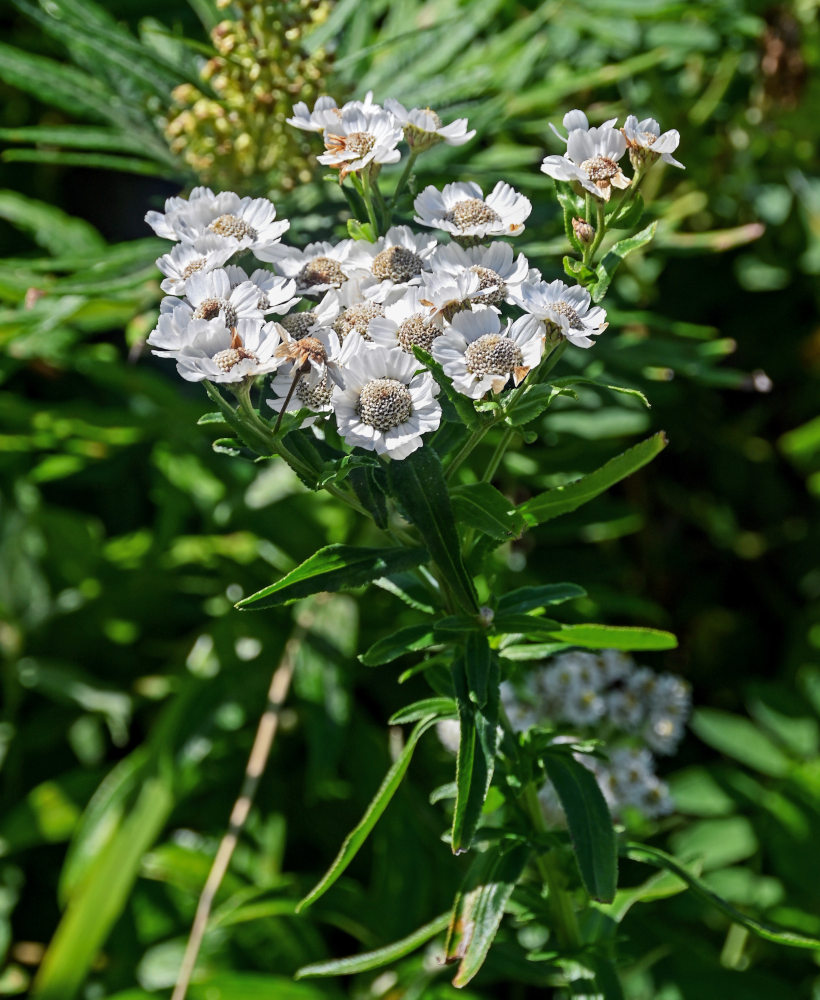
(187, 259)
(275, 293)
(615, 664)
(625, 710)
(644, 138)
(325, 112)
(577, 120)
(518, 703)
(300, 324)
(449, 734)
(566, 308)
(406, 323)
(395, 260)
(385, 406)
(221, 356)
(359, 138)
(316, 268)
(317, 361)
(479, 357)
(500, 277)
(175, 329)
(584, 707)
(591, 159)
(423, 127)
(243, 223)
(212, 294)
(446, 294)
(462, 209)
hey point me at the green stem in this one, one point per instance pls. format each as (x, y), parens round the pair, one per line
(405, 176)
(466, 449)
(498, 454)
(560, 901)
(368, 200)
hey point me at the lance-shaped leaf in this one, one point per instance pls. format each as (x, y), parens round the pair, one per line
(478, 665)
(526, 599)
(417, 483)
(381, 956)
(427, 708)
(482, 506)
(391, 647)
(564, 499)
(598, 384)
(477, 748)
(624, 637)
(589, 822)
(335, 567)
(363, 481)
(609, 265)
(769, 932)
(479, 907)
(378, 804)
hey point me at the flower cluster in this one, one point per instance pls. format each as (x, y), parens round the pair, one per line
(593, 154)
(339, 324)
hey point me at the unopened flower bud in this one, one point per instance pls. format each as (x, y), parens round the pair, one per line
(584, 231)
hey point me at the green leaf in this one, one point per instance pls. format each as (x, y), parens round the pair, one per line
(333, 568)
(589, 822)
(97, 161)
(478, 665)
(440, 708)
(407, 640)
(417, 483)
(512, 623)
(363, 480)
(478, 745)
(532, 402)
(606, 269)
(580, 380)
(741, 739)
(625, 637)
(479, 907)
(631, 215)
(380, 956)
(577, 270)
(564, 499)
(74, 136)
(360, 230)
(48, 226)
(765, 930)
(529, 598)
(378, 804)
(483, 507)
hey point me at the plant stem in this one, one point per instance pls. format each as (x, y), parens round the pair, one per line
(563, 912)
(368, 200)
(466, 449)
(405, 176)
(498, 454)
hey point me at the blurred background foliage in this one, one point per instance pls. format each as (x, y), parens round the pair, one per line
(131, 688)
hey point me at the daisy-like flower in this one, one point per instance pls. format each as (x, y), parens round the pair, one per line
(566, 310)
(219, 355)
(276, 294)
(360, 138)
(243, 223)
(187, 259)
(479, 357)
(175, 329)
(577, 120)
(406, 323)
(462, 209)
(212, 294)
(316, 268)
(645, 141)
(300, 324)
(591, 159)
(315, 364)
(385, 406)
(325, 112)
(423, 128)
(445, 295)
(500, 276)
(354, 309)
(395, 260)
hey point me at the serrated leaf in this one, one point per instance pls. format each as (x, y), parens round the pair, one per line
(440, 708)
(589, 822)
(769, 932)
(483, 507)
(740, 739)
(479, 907)
(360, 230)
(529, 598)
(380, 956)
(624, 637)
(363, 481)
(605, 271)
(333, 568)
(580, 380)
(407, 640)
(378, 804)
(478, 665)
(564, 499)
(532, 402)
(417, 484)
(478, 745)
(577, 270)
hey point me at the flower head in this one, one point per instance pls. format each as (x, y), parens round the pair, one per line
(423, 127)
(462, 209)
(566, 308)
(645, 141)
(396, 260)
(591, 159)
(577, 120)
(385, 406)
(221, 355)
(360, 138)
(316, 268)
(325, 112)
(406, 323)
(186, 259)
(315, 362)
(479, 357)
(500, 277)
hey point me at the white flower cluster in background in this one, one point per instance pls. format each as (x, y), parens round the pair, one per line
(638, 712)
(593, 154)
(335, 323)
